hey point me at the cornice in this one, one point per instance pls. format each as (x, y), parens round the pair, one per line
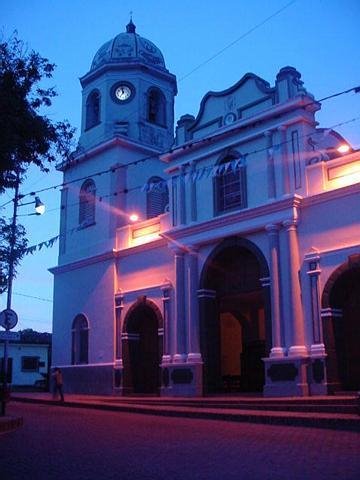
(110, 255)
(290, 202)
(117, 141)
(273, 112)
(329, 195)
(125, 252)
(123, 68)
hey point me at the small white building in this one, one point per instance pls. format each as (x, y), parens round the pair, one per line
(242, 270)
(28, 363)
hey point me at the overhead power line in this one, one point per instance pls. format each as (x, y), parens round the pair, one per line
(246, 34)
(195, 142)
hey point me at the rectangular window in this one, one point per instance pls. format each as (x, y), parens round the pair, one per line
(231, 190)
(29, 364)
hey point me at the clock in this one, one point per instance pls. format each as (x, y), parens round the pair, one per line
(122, 92)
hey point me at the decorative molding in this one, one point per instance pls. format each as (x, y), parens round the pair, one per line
(125, 252)
(234, 218)
(329, 195)
(79, 155)
(111, 255)
(224, 132)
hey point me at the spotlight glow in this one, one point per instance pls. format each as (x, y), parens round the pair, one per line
(134, 217)
(344, 148)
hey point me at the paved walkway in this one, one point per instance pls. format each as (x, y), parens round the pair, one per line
(233, 408)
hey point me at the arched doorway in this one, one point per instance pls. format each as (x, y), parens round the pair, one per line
(142, 348)
(341, 326)
(235, 322)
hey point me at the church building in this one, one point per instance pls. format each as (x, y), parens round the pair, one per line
(220, 257)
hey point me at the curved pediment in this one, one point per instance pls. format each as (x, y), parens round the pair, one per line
(247, 97)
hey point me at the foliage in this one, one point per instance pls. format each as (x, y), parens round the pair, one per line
(26, 135)
(29, 335)
(19, 248)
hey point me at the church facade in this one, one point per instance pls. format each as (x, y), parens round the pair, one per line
(224, 258)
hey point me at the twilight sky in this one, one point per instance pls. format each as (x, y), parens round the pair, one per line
(318, 37)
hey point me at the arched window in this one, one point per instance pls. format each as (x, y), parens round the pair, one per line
(87, 203)
(157, 197)
(80, 340)
(230, 184)
(92, 109)
(156, 107)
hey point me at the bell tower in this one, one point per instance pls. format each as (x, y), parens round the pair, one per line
(128, 92)
(127, 115)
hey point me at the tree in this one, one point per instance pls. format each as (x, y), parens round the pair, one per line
(27, 136)
(5, 250)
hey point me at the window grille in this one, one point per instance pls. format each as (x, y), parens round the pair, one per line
(156, 107)
(230, 186)
(92, 109)
(80, 340)
(157, 197)
(87, 203)
(29, 364)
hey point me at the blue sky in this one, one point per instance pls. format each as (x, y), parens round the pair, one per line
(318, 37)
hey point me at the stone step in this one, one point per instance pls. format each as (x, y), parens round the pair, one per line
(338, 421)
(285, 407)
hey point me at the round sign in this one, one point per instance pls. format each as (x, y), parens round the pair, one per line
(8, 318)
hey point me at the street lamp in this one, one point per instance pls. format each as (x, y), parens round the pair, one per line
(8, 316)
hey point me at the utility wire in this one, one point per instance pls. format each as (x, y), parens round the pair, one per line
(31, 296)
(208, 168)
(248, 32)
(189, 144)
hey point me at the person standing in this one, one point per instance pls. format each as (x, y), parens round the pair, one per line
(58, 383)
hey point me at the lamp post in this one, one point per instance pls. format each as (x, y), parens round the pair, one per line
(9, 316)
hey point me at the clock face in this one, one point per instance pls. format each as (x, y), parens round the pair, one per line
(123, 92)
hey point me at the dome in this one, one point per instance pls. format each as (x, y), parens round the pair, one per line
(129, 47)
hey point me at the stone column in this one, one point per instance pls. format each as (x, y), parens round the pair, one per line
(119, 305)
(270, 165)
(180, 330)
(317, 347)
(168, 327)
(273, 236)
(295, 307)
(193, 309)
(285, 160)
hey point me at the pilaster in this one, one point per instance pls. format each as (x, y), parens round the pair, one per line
(270, 164)
(277, 349)
(180, 339)
(295, 313)
(194, 354)
(285, 159)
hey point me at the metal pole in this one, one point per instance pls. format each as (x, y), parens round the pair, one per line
(9, 289)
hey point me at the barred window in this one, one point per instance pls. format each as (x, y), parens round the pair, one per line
(157, 197)
(87, 203)
(80, 340)
(156, 107)
(30, 364)
(230, 185)
(92, 109)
